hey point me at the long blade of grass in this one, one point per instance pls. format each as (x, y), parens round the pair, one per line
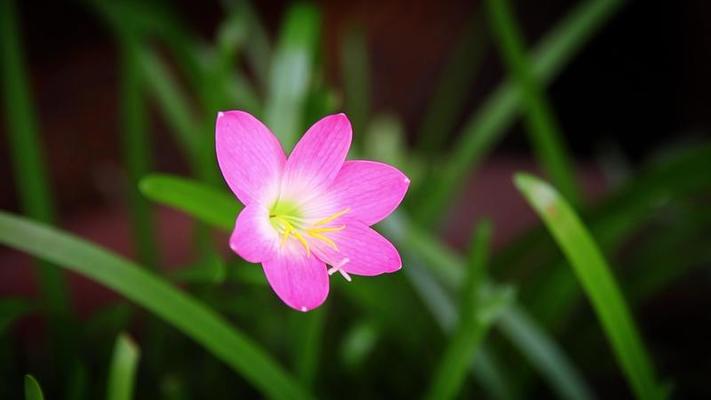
(33, 391)
(257, 47)
(290, 74)
(356, 77)
(122, 373)
(594, 274)
(541, 124)
(30, 173)
(489, 123)
(187, 314)
(541, 351)
(454, 84)
(136, 149)
(210, 205)
(11, 309)
(452, 368)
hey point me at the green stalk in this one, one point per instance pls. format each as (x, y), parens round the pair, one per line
(598, 282)
(451, 371)
(29, 169)
(122, 374)
(174, 306)
(486, 126)
(541, 125)
(136, 149)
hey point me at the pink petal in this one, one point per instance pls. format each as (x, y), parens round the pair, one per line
(249, 155)
(361, 250)
(318, 156)
(371, 190)
(299, 280)
(253, 238)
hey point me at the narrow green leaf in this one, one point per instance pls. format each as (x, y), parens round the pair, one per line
(489, 123)
(30, 175)
(194, 140)
(257, 47)
(356, 77)
(10, 310)
(212, 206)
(136, 149)
(190, 316)
(290, 74)
(33, 391)
(455, 83)
(543, 353)
(594, 274)
(308, 330)
(469, 333)
(122, 372)
(541, 124)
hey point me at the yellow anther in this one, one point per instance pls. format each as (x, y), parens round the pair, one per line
(332, 217)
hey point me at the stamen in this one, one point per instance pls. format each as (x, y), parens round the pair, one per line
(303, 242)
(338, 269)
(332, 217)
(323, 238)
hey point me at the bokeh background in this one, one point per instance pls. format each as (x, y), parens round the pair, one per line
(617, 91)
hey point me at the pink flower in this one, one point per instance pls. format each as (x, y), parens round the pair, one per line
(310, 210)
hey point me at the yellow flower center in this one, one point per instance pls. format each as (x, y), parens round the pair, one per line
(288, 222)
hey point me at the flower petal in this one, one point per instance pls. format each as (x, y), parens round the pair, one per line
(317, 157)
(300, 280)
(371, 190)
(253, 238)
(361, 250)
(250, 156)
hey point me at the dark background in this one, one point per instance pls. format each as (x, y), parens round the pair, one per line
(640, 85)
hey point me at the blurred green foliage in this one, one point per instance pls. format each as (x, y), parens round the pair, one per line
(486, 323)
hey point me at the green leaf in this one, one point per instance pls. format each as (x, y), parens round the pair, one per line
(213, 206)
(10, 310)
(33, 391)
(356, 77)
(136, 148)
(455, 83)
(469, 333)
(541, 124)
(489, 123)
(598, 282)
(25, 152)
(190, 316)
(543, 353)
(122, 373)
(291, 73)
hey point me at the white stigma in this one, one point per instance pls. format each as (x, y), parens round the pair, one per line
(337, 268)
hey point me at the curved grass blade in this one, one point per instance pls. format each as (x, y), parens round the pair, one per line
(210, 205)
(136, 148)
(471, 329)
(33, 391)
(356, 77)
(597, 280)
(11, 309)
(543, 353)
(541, 124)
(190, 316)
(291, 73)
(122, 373)
(489, 123)
(455, 82)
